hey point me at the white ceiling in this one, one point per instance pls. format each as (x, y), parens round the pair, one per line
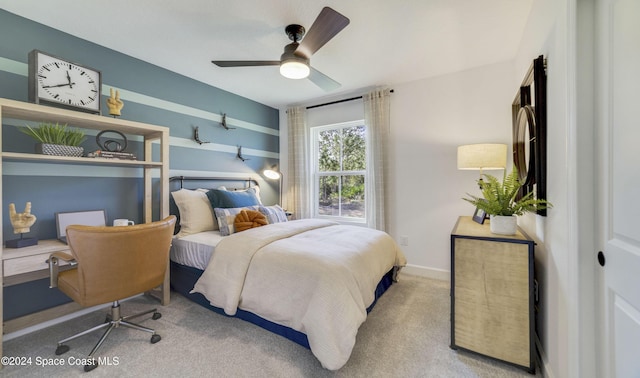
(386, 43)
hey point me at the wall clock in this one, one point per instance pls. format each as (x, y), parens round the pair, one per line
(59, 82)
(530, 131)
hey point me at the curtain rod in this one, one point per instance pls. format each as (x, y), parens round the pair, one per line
(337, 102)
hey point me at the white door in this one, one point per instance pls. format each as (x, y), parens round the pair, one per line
(618, 107)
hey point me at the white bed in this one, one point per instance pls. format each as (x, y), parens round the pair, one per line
(312, 281)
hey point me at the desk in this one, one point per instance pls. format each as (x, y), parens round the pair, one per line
(29, 263)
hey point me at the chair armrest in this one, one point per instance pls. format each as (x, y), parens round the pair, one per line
(53, 266)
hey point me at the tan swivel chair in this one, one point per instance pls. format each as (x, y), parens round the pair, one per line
(113, 263)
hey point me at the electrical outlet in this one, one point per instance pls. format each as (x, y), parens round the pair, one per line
(404, 240)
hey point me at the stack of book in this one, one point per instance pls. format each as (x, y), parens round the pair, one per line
(112, 155)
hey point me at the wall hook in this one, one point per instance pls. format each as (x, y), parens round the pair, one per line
(223, 123)
(239, 155)
(196, 137)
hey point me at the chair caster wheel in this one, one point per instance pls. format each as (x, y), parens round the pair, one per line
(155, 339)
(62, 349)
(91, 365)
(156, 316)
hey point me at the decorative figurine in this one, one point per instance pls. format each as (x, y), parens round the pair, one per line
(115, 104)
(21, 223)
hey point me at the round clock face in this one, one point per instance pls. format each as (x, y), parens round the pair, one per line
(67, 83)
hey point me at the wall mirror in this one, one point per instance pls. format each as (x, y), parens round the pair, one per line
(529, 131)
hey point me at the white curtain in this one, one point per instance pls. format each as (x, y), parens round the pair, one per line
(377, 122)
(298, 201)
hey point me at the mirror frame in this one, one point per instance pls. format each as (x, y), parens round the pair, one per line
(530, 114)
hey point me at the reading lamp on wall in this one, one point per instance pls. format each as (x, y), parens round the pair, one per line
(482, 157)
(273, 174)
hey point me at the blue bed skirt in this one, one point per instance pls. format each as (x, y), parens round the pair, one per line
(183, 278)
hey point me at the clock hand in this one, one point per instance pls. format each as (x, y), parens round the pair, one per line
(69, 80)
(58, 85)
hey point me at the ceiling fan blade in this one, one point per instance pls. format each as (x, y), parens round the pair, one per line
(323, 81)
(326, 26)
(245, 63)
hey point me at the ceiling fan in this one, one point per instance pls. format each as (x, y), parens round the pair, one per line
(295, 61)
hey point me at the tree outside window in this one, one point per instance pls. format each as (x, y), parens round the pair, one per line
(340, 171)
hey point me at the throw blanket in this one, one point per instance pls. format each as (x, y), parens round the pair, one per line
(311, 275)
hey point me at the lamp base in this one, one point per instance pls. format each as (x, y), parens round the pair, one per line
(20, 243)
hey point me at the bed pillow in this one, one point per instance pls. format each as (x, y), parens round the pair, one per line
(226, 217)
(226, 199)
(247, 219)
(275, 213)
(255, 190)
(196, 213)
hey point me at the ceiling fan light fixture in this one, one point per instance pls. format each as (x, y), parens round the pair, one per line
(294, 69)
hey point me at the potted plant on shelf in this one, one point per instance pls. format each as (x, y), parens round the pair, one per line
(56, 139)
(499, 200)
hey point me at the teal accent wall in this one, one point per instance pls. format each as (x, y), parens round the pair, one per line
(152, 95)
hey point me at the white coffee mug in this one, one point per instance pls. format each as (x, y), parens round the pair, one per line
(122, 222)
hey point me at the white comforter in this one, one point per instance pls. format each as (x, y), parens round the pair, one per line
(311, 275)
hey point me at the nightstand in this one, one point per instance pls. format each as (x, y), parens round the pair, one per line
(492, 302)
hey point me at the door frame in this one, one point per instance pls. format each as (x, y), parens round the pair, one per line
(586, 156)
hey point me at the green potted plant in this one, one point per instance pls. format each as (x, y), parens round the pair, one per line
(499, 200)
(56, 139)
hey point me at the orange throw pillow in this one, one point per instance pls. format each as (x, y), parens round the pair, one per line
(247, 219)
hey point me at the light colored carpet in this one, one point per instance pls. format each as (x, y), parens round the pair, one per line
(407, 334)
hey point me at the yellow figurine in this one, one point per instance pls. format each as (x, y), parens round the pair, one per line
(115, 104)
(21, 222)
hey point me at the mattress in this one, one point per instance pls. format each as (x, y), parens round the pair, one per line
(195, 250)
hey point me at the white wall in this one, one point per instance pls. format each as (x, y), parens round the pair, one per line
(548, 33)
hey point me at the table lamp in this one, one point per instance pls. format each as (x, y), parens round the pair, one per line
(482, 157)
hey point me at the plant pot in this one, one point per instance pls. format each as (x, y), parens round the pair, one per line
(58, 150)
(503, 225)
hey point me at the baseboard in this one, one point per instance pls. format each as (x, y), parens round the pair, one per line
(423, 271)
(543, 361)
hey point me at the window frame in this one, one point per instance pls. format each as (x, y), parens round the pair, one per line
(316, 174)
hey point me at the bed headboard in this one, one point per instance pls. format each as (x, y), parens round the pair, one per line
(206, 182)
(217, 180)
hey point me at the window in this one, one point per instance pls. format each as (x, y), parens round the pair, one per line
(339, 171)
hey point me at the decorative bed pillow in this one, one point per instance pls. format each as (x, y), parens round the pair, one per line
(275, 213)
(196, 213)
(247, 219)
(226, 199)
(226, 217)
(254, 189)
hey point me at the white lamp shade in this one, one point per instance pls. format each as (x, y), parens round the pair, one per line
(482, 156)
